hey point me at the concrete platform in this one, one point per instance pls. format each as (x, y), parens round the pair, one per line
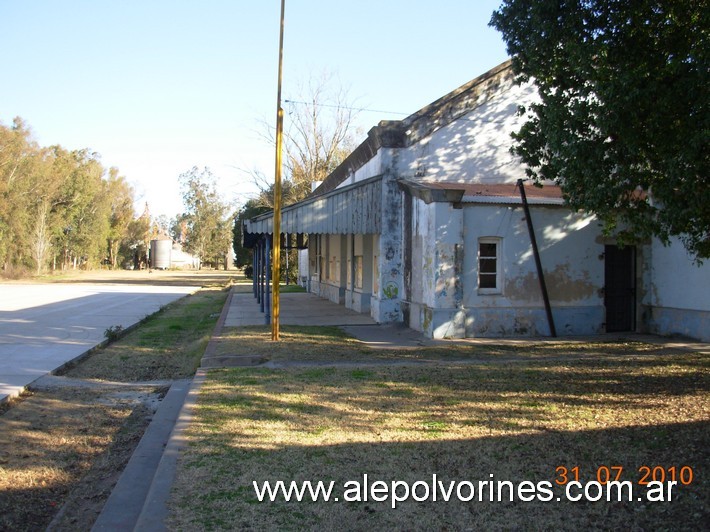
(299, 308)
(44, 326)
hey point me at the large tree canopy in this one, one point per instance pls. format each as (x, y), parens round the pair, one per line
(208, 222)
(58, 208)
(622, 122)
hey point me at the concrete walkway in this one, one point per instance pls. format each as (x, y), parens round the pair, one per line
(302, 308)
(297, 308)
(45, 326)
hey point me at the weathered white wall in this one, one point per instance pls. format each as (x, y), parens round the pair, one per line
(358, 298)
(303, 264)
(476, 147)
(571, 255)
(371, 168)
(389, 269)
(677, 300)
(434, 305)
(333, 281)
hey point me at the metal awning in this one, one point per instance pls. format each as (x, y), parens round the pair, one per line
(501, 193)
(354, 209)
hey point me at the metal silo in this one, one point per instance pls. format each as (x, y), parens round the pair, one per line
(160, 254)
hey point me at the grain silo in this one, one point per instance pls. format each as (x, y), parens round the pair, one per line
(160, 251)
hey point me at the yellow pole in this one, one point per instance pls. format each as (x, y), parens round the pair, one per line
(276, 262)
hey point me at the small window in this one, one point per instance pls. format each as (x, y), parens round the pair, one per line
(489, 281)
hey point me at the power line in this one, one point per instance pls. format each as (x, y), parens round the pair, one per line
(333, 106)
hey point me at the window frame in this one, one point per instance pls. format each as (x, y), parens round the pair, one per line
(498, 289)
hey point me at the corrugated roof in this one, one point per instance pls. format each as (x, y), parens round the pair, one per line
(501, 193)
(355, 209)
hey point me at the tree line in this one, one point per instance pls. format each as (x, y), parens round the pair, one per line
(62, 209)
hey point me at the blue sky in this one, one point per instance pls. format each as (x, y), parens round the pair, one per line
(159, 86)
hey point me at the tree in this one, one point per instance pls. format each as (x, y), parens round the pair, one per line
(252, 208)
(120, 195)
(81, 207)
(622, 122)
(134, 246)
(318, 136)
(56, 205)
(207, 217)
(17, 161)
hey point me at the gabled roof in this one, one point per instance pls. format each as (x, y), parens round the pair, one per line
(403, 133)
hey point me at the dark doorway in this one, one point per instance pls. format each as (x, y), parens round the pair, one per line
(620, 288)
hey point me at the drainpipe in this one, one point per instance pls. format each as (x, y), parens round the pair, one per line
(538, 264)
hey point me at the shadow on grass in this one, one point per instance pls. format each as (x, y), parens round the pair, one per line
(461, 422)
(228, 499)
(145, 277)
(494, 397)
(61, 444)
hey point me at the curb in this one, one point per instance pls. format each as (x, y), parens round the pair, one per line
(139, 499)
(155, 509)
(123, 507)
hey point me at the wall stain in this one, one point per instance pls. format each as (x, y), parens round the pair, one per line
(560, 286)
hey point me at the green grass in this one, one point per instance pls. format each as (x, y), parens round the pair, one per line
(462, 422)
(291, 288)
(167, 345)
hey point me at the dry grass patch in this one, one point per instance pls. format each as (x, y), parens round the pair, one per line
(331, 345)
(52, 440)
(62, 449)
(461, 422)
(168, 345)
(298, 343)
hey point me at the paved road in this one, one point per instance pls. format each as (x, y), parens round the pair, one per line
(43, 326)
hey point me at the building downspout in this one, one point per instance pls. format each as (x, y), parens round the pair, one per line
(538, 264)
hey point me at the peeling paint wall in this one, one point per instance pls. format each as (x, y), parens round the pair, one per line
(572, 260)
(451, 304)
(677, 300)
(435, 303)
(390, 268)
(424, 269)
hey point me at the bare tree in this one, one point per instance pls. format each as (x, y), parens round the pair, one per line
(319, 133)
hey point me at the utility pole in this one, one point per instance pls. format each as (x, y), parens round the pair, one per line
(276, 262)
(538, 263)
